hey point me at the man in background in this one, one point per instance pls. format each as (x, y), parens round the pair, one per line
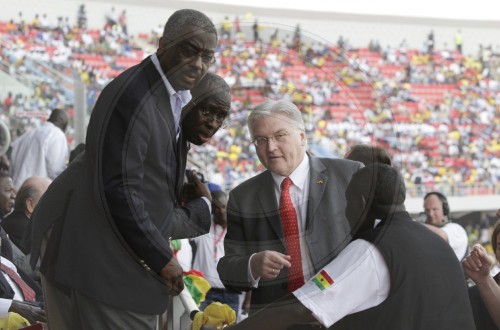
(209, 250)
(42, 151)
(27, 198)
(15, 223)
(437, 209)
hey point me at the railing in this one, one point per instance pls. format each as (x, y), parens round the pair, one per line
(457, 190)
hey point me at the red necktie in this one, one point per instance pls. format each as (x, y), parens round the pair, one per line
(291, 230)
(28, 293)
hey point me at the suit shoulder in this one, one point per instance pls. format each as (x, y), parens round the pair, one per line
(339, 163)
(252, 183)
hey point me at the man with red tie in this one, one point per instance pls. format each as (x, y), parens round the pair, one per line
(287, 222)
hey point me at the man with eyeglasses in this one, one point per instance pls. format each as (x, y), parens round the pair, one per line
(103, 227)
(287, 222)
(207, 111)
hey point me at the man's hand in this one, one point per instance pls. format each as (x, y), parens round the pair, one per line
(32, 313)
(172, 273)
(477, 264)
(200, 188)
(268, 264)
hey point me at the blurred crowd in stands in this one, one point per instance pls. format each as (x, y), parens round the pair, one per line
(435, 109)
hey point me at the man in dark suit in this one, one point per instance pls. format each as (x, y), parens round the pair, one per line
(262, 250)
(102, 228)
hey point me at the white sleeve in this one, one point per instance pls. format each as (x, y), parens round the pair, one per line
(4, 307)
(457, 238)
(357, 279)
(56, 156)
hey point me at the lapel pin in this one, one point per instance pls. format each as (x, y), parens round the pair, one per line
(319, 182)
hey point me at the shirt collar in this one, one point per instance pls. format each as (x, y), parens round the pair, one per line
(298, 176)
(184, 95)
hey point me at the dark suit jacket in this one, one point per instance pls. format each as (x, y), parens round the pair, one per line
(15, 224)
(254, 225)
(112, 212)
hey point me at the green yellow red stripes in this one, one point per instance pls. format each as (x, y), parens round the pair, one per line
(323, 280)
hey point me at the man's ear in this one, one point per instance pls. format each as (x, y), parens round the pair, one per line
(30, 205)
(303, 137)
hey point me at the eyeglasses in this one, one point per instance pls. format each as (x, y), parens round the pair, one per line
(262, 140)
(219, 117)
(190, 52)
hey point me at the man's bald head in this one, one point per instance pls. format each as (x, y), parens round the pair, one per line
(30, 193)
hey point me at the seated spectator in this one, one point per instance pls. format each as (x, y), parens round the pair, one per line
(16, 222)
(18, 296)
(485, 295)
(26, 199)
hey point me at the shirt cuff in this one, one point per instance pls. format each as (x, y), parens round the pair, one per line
(5, 306)
(253, 281)
(208, 204)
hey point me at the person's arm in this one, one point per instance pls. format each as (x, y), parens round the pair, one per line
(189, 221)
(30, 312)
(441, 233)
(323, 297)
(346, 276)
(477, 266)
(233, 267)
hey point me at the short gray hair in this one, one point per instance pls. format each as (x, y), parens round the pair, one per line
(183, 17)
(271, 108)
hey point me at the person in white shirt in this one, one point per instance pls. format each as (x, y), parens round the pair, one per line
(209, 249)
(437, 209)
(42, 151)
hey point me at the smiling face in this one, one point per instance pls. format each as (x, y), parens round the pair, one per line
(186, 59)
(284, 156)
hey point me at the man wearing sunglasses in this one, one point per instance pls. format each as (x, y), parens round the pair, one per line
(104, 243)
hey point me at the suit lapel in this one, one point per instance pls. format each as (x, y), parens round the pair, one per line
(163, 105)
(317, 185)
(160, 94)
(269, 204)
(181, 155)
